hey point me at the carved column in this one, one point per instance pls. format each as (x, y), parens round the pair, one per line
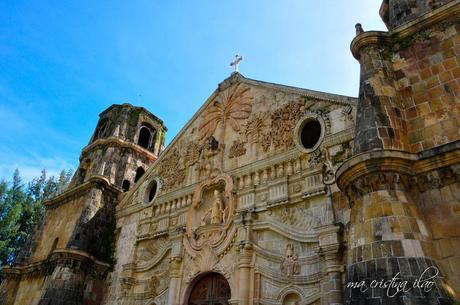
(244, 222)
(175, 264)
(244, 266)
(331, 284)
(174, 281)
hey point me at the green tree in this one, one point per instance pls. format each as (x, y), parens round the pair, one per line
(12, 202)
(21, 209)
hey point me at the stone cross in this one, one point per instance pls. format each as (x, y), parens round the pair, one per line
(235, 63)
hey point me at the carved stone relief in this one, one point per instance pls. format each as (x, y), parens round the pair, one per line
(298, 217)
(148, 250)
(254, 129)
(237, 149)
(171, 170)
(193, 153)
(229, 107)
(283, 121)
(290, 265)
(210, 218)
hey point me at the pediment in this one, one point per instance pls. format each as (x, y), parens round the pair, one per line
(243, 121)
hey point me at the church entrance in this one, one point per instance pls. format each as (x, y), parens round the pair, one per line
(212, 289)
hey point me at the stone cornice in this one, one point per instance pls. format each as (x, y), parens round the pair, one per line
(369, 38)
(384, 38)
(397, 161)
(323, 96)
(67, 257)
(120, 143)
(80, 189)
(142, 109)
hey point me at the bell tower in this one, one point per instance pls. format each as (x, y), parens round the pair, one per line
(72, 250)
(126, 141)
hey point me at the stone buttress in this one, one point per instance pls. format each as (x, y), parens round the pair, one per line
(403, 181)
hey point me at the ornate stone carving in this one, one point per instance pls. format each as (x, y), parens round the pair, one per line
(171, 170)
(290, 265)
(328, 168)
(255, 127)
(153, 286)
(207, 165)
(149, 249)
(231, 106)
(216, 214)
(283, 122)
(210, 218)
(298, 217)
(237, 149)
(322, 157)
(193, 153)
(381, 181)
(347, 113)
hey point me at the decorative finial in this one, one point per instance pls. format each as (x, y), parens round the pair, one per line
(359, 29)
(235, 63)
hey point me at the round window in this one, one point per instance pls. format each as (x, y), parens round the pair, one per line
(310, 134)
(151, 191)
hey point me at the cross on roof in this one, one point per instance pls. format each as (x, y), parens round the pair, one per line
(235, 63)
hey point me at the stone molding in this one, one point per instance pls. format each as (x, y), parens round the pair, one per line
(120, 143)
(60, 257)
(95, 181)
(388, 169)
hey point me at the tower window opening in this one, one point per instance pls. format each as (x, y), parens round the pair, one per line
(125, 185)
(144, 137)
(102, 128)
(139, 173)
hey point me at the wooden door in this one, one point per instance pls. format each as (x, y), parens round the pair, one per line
(212, 289)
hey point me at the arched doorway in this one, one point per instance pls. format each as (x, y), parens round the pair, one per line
(211, 289)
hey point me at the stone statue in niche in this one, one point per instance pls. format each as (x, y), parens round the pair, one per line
(216, 213)
(290, 265)
(210, 217)
(154, 283)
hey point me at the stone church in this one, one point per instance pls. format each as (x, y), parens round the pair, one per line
(272, 194)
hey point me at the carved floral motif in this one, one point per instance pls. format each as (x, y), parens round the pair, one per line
(237, 149)
(192, 154)
(171, 170)
(283, 122)
(255, 126)
(231, 106)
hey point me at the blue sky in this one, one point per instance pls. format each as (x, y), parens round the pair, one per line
(63, 62)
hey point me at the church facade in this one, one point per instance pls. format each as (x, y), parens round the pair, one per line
(272, 194)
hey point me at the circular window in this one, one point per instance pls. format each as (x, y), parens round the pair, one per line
(310, 134)
(151, 191)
